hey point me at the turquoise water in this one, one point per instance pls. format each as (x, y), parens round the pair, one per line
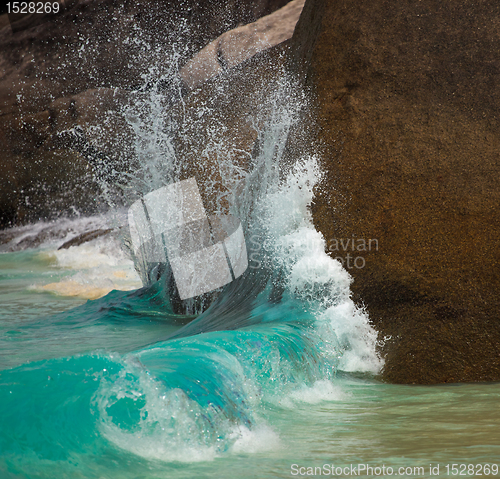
(277, 378)
(120, 387)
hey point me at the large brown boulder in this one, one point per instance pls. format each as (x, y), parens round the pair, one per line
(409, 134)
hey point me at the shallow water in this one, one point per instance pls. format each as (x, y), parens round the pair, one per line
(98, 390)
(277, 378)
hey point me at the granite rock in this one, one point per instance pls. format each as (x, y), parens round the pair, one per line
(408, 130)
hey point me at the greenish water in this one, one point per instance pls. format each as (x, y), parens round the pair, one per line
(116, 387)
(99, 379)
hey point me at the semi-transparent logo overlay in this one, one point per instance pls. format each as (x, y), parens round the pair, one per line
(169, 226)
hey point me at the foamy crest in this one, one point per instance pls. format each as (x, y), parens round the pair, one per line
(320, 391)
(91, 270)
(142, 415)
(312, 276)
(168, 428)
(356, 337)
(259, 439)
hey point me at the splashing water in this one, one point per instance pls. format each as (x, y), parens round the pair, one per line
(291, 317)
(136, 378)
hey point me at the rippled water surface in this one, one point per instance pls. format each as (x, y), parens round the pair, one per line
(113, 388)
(100, 378)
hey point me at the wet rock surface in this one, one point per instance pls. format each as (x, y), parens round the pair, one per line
(409, 135)
(239, 44)
(78, 68)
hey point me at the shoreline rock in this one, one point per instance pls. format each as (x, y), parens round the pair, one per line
(239, 44)
(408, 130)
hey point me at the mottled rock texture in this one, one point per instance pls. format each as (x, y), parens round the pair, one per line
(408, 128)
